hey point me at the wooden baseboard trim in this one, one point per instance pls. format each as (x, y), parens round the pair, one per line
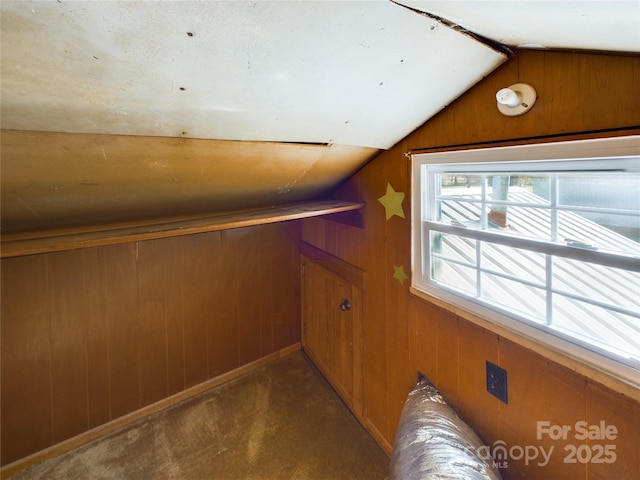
(379, 438)
(120, 422)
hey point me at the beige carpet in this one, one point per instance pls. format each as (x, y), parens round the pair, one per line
(282, 421)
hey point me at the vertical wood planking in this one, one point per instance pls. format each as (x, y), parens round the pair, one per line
(358, 359)
(92, 334)
(25, 360)
(423, 341)
(566, 83)
(332, 328)
(223, 332)
(69, 375)
(398, 253)
(285, 289)
(477, 345)
(267, 276)
(116, 293)
(621, 413)
(472, 118)
(596, 76)
(312, 232)
(213, 331)
(315, 314)
(152, 322)
(96, 285)
(342, 344)
(175, 251)
(539, 390)
(577, 92)
(248, 273)
(375, 321)
(448, 357)
(197, 305)
(557, 80)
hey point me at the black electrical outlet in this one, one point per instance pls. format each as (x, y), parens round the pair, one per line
(497, 382)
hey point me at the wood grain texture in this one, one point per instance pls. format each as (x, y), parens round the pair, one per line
(106, 429)
(248, 270)
(153, 282)
(399, 375)
(357, 295)
(45, 241)
(342, 345)
(332, 333)
(53, 180)
(482, 407)
(172, 297)
(577, 93)
(197, 306)
(580, 95)
(68, 312)
(95, 285)
(401, 333)
(223, 324)
(283, 267)
(25, 358)
(315, 315)
(93, 334)
(539, 390)
(423, 339)
(615, 410)
(116, 292)
(373, 251)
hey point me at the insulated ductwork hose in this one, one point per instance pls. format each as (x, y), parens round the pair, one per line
(433, 442)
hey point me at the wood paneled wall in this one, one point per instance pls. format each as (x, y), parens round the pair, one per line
(90, 335)
(579, 95)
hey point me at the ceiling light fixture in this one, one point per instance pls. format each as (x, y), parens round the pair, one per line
(516, 99)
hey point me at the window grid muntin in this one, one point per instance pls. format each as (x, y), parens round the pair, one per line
(600, 257)
(624, 150)
(553, 246)
(455, 203)
(547, 285)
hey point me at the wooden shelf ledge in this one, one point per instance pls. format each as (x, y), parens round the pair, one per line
(31, 243)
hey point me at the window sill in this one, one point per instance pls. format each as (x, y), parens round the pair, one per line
(592, 372)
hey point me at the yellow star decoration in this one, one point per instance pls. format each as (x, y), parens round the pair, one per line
(398, 274)
(392, 202)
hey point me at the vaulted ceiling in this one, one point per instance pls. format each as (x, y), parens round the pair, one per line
(129, 110)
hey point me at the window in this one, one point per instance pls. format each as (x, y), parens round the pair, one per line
(544, 239)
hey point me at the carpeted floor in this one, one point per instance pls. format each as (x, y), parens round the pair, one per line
(282, 421)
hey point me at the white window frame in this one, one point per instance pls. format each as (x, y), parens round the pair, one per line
(480, 160)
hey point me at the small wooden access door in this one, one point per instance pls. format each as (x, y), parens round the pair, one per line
(332, 292)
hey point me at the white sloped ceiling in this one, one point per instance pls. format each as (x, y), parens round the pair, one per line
(341, 80)
(353, 73)
(116, 111)
(604, 25)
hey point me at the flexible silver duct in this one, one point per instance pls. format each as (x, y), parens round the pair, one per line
(433, 442)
